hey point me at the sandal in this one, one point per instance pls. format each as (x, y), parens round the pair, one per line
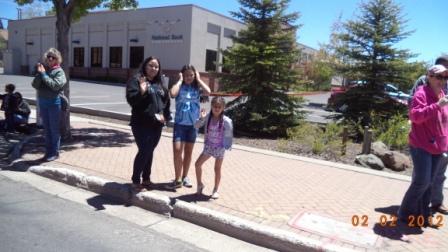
(199, 190)
(149, 184)
(138, 188)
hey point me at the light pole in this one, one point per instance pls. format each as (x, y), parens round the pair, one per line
(19, 13)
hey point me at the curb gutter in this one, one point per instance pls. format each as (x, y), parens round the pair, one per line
(238, 228)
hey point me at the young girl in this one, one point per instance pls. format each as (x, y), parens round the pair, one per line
(218, 135)
(186, 92)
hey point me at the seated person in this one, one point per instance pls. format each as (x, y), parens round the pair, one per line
(23, 111)
(9, 106)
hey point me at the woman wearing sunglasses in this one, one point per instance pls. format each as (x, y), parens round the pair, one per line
(49, 83)
(428, 140)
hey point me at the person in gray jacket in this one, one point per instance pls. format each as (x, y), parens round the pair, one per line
(49, 83)
(439, 180)
(218, 137)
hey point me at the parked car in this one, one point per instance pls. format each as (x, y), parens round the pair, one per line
(390, 90)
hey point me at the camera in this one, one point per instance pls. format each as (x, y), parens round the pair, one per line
(35, 68)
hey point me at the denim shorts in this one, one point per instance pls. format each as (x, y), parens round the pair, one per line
(184, 133)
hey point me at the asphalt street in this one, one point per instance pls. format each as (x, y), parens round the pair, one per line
(110, 97)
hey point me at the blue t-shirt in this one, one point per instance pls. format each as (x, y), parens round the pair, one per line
(187, 105)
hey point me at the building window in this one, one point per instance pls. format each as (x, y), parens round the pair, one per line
(213, 29)
(228, 33)
(115, 54)
(96, 54)
(78, 56)
(136, 57)
(210, 59)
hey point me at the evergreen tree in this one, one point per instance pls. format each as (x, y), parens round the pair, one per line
(260, 65)
(367, 47)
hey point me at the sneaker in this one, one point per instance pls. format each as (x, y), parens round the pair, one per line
(48, 159)
(174, 185)
(186, 182)
(215, 194)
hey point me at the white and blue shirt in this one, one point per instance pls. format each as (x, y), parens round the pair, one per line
(187, 105)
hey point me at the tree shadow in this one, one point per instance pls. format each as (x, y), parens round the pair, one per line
(83, 138)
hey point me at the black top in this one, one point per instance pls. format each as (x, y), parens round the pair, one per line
(145, 107)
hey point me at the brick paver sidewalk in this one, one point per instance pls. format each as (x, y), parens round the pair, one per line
(262, 186)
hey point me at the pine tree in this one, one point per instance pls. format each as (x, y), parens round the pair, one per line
(260, 65)
(368, 49)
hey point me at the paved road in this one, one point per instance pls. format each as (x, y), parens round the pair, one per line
(111, 97)
(38, 214)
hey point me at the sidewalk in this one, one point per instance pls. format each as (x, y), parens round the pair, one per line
(318, 199)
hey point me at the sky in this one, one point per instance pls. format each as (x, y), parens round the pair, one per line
(429, 19)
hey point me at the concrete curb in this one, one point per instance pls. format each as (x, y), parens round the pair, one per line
(147, 200)
(15, 154)
(248, 231)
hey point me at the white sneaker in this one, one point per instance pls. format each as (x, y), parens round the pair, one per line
(186, 182)
(215, 194)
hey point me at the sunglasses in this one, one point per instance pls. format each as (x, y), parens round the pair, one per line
(51, 57)
(440, 77)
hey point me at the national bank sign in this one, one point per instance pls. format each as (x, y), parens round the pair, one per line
(171, 38)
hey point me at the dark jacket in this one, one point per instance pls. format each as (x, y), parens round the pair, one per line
(145, 107)
(25, 110)
(9, 103)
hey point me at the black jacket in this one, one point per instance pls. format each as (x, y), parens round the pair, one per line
(145, 107)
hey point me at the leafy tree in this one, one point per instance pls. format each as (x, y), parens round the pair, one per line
(260, 64)
(3, 46)
(68, 12)
(367, 48)
(1, 24)
(320, 69)
(36, 9)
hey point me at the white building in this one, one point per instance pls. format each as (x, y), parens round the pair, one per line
(110, 45)
(114, 43)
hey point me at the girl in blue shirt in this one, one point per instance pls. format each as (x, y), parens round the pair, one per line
(186, 92)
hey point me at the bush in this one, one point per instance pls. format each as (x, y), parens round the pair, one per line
(393, 132)
(318, 139)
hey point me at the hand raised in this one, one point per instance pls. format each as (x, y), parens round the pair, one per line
(203, 113)
(443, 101)
(143, 85)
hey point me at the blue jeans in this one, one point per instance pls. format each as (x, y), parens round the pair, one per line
(9, 126)
(19, 119)
(51, 116)
(418, 196)
(147, 140)
(437, 185)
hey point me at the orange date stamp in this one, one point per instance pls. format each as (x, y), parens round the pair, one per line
(414, 221)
